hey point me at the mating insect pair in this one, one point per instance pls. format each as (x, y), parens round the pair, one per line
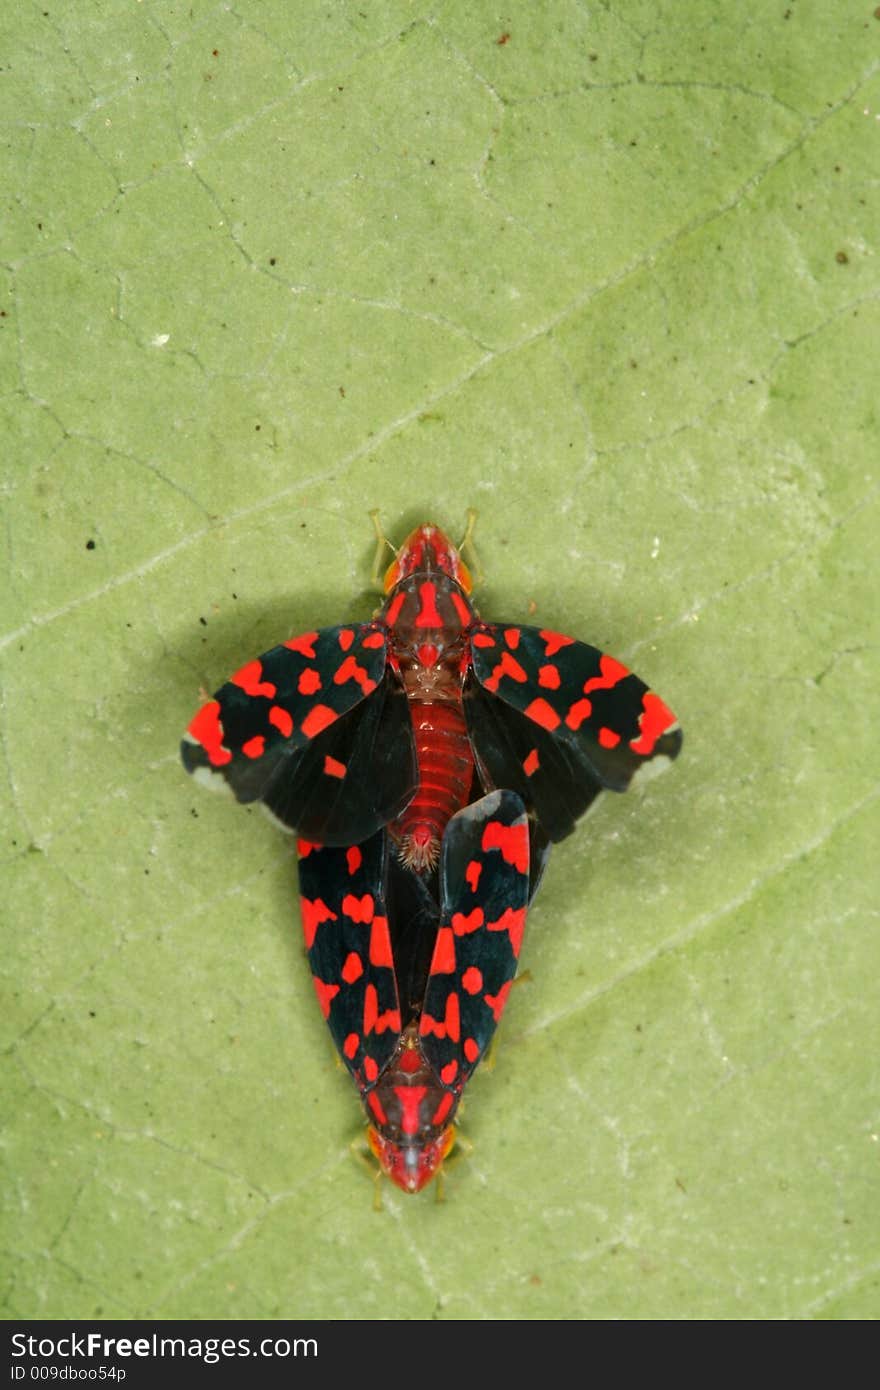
(376, 742)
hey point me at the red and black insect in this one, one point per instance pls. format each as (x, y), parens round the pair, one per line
(401, 721)
(412, 976)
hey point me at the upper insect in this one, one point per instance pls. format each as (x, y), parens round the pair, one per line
(402, 721)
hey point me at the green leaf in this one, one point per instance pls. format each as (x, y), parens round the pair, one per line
(608, 275)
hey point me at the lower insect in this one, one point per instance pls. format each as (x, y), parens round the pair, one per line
(413, 976)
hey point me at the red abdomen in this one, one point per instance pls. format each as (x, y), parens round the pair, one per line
(446, 768)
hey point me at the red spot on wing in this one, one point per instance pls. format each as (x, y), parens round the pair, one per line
(281, 720)
(314, 912)
(450, 1027)
(318, 718)
(580, 710)
(612, 673)
(497, 1001)
(358, 909)
(549, 677)
(472, 980)
(471, 1050)
(513, 921)
(207, 730)
(512, 840)
(353, 858)
(305, 645)
(428, 616)
(463, 923)
(554, 642)
(511, 637)
(250, 680)
(472, 874)
(371, 1071)
(410, 1098)
(654, 720)
(371, 1008)
(326, 994)
(531, 763)
(255, 747)
(608, 738)
(350, 670)
(373, 640)
(374, 1022)
(542, 713)
(506, 666)
(309, 681)
(443, 962)
(346, 637)
(353, 968)
(380, 943)
(351, 1045)
(483, 639)
(305, 847)
(449, 1073)
(333, 768)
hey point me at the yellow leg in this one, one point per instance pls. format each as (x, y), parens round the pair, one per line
(359, 1150)
(463, 1149)
(473, 560)
(381, 542)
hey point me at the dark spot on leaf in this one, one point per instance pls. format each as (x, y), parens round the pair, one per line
(204, 622)
(90, 545)
(502, 39)
(842, 258)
